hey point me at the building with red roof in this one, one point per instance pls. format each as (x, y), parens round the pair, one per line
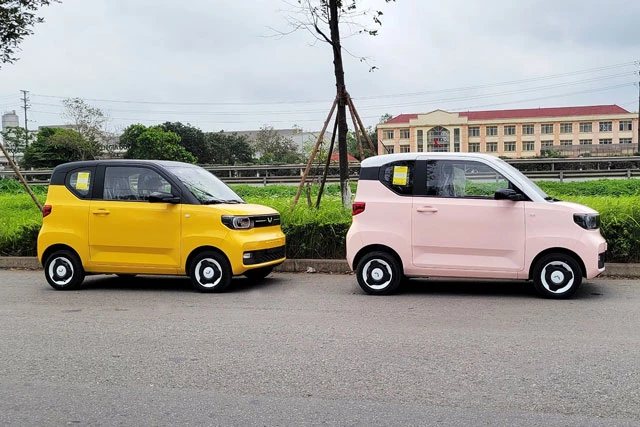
(595, 129)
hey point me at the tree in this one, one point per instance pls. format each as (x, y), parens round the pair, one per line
(191, 138)
(17, 17)
(154, 142)
(327, 14)
(16, 139)
(54, 146)
(87, 120)
(274, 148)
(228, 149)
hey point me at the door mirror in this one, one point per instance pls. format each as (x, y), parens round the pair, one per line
(162, 197)
(508, 194)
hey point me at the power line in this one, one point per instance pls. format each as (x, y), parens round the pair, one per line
(458, 89)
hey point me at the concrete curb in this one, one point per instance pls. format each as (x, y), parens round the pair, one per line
(331, 266)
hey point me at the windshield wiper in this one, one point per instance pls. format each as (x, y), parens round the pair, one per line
(220, 201)
(551, 199)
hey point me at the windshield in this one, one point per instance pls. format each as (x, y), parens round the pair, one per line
(205, 186)
(524, 178)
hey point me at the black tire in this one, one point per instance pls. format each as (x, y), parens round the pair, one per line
(379, 273)
(210, 272)
(258, 273)
(63, 270)
(557, 276)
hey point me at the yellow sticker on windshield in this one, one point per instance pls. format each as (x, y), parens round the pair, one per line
(83, 181)
(400, 175)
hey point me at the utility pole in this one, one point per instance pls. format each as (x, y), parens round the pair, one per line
(25, 106)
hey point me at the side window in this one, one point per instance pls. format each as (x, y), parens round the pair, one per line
(80, 183)
(132, 183)
(398, 176)
(468, 179)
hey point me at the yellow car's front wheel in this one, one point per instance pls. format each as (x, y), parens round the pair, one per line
(210, 272)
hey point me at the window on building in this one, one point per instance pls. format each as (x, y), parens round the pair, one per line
(420, 142)
(586, 142)
(474, 147)
(456, 147)
(456, 135)
(390, 150)
(625, 125)
(387, 134)
(585, 127)
(527, 129)
(606, 126)
(492, 147)
(546, 128)
(625, 140)
(492, 130)
(566, 127)
(405, 148)
(474, 131)
(528, 146)
(404, 134)
(546, 144)
(510, 146)
(605, 141)
(510, 130)
(566, 142)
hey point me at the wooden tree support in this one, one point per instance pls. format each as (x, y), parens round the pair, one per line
(20, 177)
(359, 128)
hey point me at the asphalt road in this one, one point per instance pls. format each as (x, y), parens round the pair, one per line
(311, 349)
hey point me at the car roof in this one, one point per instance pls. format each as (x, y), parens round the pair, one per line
(383, 159)
(118, 162)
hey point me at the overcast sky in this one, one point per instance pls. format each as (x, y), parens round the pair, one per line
(217, 65)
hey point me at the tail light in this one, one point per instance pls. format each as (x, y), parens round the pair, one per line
(356, 208)
(46, 210)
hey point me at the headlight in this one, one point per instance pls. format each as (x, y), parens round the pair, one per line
(237, 222)
(587, 221)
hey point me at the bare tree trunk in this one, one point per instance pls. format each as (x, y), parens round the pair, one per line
(341, 118)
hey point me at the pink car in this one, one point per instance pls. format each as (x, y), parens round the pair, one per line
(467, 215)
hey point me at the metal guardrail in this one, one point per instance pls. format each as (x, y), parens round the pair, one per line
(269, 174)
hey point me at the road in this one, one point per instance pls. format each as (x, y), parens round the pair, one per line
(312, 349)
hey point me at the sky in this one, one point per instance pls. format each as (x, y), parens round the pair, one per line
(239, 65)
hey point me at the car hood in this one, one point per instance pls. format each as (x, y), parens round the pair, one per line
(575, 207)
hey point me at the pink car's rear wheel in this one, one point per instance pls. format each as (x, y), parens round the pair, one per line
(379, 273)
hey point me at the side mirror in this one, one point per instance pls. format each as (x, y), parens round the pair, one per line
(162, 197)
(508, 194)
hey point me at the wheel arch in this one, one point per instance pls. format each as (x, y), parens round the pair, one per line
(197, 251)
(59, 247)
(377, 247)
(564, 251)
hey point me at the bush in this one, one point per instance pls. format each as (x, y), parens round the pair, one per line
(21, 243)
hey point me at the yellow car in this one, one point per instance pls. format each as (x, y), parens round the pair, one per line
(130, 217)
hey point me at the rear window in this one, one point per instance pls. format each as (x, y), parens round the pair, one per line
(80, 182)
(398, 176)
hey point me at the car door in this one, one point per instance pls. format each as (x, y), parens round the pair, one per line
(458, 227)
(126, 229)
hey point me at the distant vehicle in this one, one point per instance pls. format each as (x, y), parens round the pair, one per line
(467, 215)
(130, 217)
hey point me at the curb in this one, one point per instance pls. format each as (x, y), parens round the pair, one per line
(330, 266)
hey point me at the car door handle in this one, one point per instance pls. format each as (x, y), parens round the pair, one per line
(101, 212)
(427, 209)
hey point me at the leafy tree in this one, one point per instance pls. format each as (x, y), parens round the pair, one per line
(274, 148)
(354, 149)
(323, 18)
(17, 17)
(54, 146)
(154, 142)
(191, 138)
(16, 139)
(229, 149)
